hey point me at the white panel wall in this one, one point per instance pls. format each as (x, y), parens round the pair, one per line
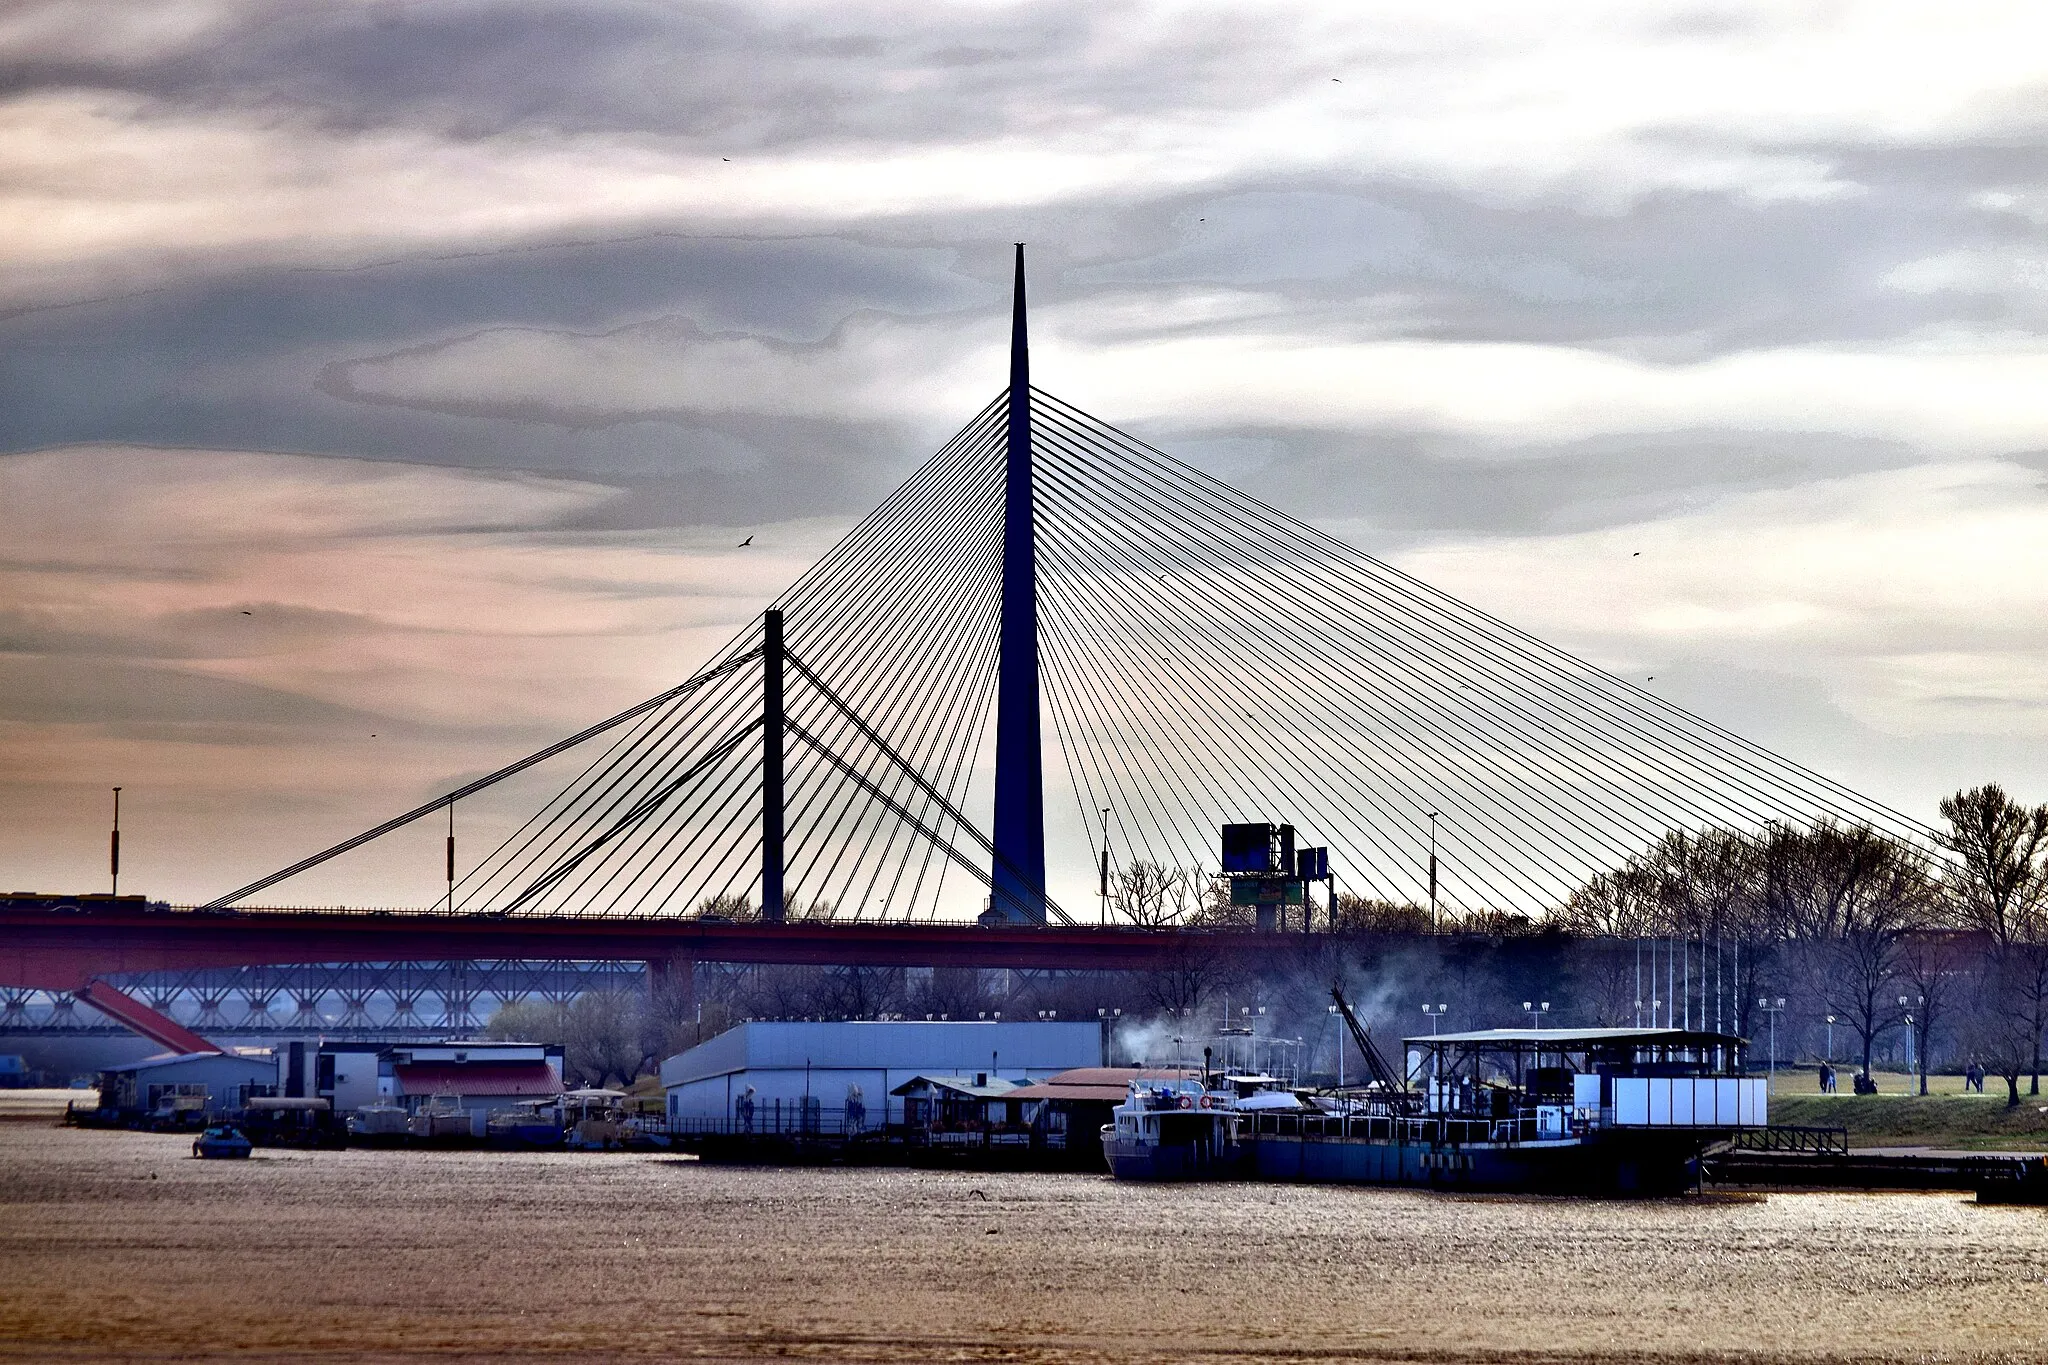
(1660, 1099)
(1727, 1110)
(1631, 1099)
(1681, 1101)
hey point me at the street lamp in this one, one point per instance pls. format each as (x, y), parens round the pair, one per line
(1908, 1004)
(1434, 1015)
(1536, 1012)
(1772, 1008)
(1831, 1038)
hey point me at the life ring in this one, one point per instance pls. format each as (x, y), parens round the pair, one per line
(1186, 1102)
(1205, 1101)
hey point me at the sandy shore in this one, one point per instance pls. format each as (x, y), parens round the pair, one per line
(120, 1246)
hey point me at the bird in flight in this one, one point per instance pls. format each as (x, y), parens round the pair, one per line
(744, 544)
(248, 613)
(1636, 555)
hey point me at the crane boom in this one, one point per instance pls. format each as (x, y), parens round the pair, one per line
(1374, 1062)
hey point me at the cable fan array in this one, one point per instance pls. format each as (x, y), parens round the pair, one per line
(1209, 658)
(1204, 659)
(890, 668)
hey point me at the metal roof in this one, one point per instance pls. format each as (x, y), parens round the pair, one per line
(996, 1088)
(1106, 1084)
(1574, 1038)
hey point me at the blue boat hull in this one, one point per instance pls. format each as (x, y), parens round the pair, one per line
(1617, 1164)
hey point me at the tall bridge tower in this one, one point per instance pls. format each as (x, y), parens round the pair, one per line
(1018, 873)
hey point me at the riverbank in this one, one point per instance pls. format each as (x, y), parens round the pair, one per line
(117, 1245)
(1897, 1116)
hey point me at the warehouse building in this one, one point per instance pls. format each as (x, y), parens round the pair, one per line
(839, 1077)
(189, 1088)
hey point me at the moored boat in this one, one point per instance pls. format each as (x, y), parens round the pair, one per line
(1624, 1111)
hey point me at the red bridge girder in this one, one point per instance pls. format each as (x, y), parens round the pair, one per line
(59, 950)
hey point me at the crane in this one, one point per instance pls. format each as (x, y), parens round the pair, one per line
(1389, 1083)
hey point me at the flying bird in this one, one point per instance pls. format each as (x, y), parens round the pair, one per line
(744, 544)
(1638, 554)
(248, 613)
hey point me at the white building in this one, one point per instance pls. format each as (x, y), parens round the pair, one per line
(779, 1077)
(476, 1076)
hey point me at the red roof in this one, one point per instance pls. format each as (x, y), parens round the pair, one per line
(525, 1079)
(1102, 1083)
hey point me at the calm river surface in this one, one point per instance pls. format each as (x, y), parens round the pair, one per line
(119, 1245)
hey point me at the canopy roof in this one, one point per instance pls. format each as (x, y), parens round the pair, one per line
(1578, 1039)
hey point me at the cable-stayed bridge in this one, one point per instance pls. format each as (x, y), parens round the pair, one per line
(1048, 609)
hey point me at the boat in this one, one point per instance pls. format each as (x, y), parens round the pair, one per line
(1175, 1128)
(1615, 1111)
(222, 1143)
(530, 1125)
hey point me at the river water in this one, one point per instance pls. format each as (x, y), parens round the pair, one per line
(119, 1245)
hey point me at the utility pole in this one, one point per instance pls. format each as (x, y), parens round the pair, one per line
(1105, 865)
(451, 857)
(1432, 872)
(772, 908)
(114, 849)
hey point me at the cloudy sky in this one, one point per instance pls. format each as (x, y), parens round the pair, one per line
(384, 387)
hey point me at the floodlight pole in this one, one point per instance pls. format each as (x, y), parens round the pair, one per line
(772, 907)
(1432, 872)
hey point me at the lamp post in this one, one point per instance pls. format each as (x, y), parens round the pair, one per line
(1340, 1047)
(1907, 1005)
(1831, 1039)
(1434, 1015)
(1536, 1012)
(1772, 1008)
(1432, 872)
(114, 848)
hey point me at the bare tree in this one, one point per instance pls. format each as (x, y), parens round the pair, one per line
(1934, 965)
(1855, 896)
(1366, 915)
(1154, 896)
(2001, 890)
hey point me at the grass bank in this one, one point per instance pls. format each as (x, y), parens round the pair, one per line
(1969, 1122)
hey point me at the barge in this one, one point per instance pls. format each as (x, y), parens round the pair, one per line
(1613, 1112)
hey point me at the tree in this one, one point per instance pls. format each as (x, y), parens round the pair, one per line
(1994, 1033)
(1854, 897)
(1153, 896)
(2003, 849)
(599, 1034)
(2000, 889)
(1933, 964)
(1366, 915)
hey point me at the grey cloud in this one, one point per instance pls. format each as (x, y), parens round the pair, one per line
(234, 362)
(140, 701)
(727, 75)
(252, 629)
(1410, 488)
